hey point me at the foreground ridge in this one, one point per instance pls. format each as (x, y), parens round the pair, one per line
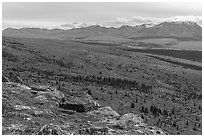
(37, 110)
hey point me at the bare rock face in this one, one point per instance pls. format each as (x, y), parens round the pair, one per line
(50, 130)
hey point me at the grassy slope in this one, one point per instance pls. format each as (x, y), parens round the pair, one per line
(172, 85)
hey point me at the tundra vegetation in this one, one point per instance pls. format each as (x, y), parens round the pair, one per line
(74, 87)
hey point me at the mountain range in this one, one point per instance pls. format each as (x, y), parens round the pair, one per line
(186, 29)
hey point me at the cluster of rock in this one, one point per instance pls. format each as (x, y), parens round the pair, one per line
(123, 124)
(106, 121)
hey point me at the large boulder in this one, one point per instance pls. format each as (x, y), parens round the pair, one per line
(135, 123)
(107, 112)
(83, 103)
(106, 116)
(130, 120)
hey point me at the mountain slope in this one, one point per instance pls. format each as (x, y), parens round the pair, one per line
(188, 30)
(173, 29)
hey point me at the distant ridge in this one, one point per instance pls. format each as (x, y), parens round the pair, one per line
(181, 29)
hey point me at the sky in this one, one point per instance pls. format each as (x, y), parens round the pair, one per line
(69, 15)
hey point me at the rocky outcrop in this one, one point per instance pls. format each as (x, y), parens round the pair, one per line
(46, 93)
(135, 123)
(16, 86)
(50, 129)
(104, 112)
(39, 106)
(95, 131)
(127, 124)
(79, 104)
(47, 90)
(130, 120)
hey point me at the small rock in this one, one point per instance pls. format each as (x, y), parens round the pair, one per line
(48, 111)
(65, 126)
(14, 91)
(38, 113)
(28, 118)
(24, 86)
(20, 107)
(39, 88)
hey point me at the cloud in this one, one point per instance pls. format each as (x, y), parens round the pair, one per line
(148, 20)
(197, 19)
(29, 24)
(74, 25)
(118, 22)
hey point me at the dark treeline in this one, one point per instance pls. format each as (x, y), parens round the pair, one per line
(100, 80)
(109, 81)
(156, 111)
